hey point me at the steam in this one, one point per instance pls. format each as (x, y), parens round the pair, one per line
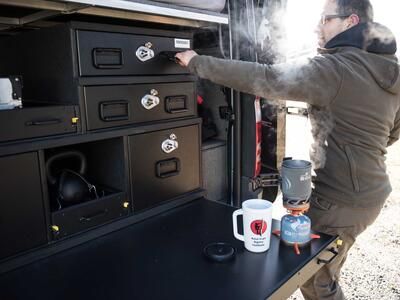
(377, 33)
(322, 124)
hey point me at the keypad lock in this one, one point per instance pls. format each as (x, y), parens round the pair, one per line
(144, 53)
(151, 100)
(170, 144)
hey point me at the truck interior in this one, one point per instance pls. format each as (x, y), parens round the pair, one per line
(160, 158)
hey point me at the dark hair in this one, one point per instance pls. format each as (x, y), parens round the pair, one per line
(362, 8)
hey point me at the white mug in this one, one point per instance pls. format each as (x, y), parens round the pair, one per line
(257, 223)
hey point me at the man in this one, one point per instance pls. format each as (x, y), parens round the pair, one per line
(354, 85)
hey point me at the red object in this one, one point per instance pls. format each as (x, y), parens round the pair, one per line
(200, 100)
(257, 109)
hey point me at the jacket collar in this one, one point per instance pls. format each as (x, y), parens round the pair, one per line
(371, 37)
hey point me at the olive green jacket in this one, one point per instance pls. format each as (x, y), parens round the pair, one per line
(358, 86)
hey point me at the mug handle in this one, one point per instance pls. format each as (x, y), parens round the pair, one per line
(237, 213)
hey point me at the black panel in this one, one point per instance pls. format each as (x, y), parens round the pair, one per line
(104, 54)
(162, 258)
(22, 222)
(117, 105)
(37, 121)
(158, 176)
(89, 214)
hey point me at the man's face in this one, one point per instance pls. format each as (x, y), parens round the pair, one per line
(332, 26)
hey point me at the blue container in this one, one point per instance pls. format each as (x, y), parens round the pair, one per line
(295, 229)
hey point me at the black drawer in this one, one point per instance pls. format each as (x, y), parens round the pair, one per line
(118, 105)
(88, 214)
(38, 122)
(158, 176)
(105, 53)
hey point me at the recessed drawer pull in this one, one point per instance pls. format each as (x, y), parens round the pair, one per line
(107, 58)
(94, 216)
(43, 122)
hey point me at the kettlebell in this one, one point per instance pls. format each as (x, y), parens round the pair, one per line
(71, 187)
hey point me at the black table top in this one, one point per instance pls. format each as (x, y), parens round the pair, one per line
(161, 258)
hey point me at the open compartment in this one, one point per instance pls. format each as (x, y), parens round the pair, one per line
(86, 184)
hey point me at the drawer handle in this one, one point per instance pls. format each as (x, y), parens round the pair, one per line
(107, 58)
(107, 114)
(324, 261)
(176, 104)
(94, 216)
(43, 122)
(167, 168)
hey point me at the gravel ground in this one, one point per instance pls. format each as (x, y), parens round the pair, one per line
(372, 269)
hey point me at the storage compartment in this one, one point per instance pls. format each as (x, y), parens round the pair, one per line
(111, 53)
(215, 172)
(31, 122)
(87, 185)
(22, 220)
(164, 165)
(118, 105)
(110, 205)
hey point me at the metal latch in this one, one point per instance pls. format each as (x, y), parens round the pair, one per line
(265, 180)
(170, 144)
(151, 101)
(298, 111)
(144, 53)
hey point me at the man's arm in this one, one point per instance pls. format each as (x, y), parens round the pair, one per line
(316, 81)
(395, 132)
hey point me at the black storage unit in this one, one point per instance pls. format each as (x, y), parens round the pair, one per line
(34, 122)
(22, 219)
(90, 51)
(117, 105)
(164, 165)
(104, 53)
(102, 115)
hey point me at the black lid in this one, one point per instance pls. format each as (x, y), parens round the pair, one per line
(219, 252)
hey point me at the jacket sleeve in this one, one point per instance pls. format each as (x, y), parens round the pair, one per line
(316, 81)
(395, 132)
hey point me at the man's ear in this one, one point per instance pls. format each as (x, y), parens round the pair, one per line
(353, 20)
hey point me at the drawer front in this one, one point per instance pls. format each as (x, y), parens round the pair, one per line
(22, 220)
(37, 122)
(107, 54)
(118, 105)
(86, 215)
(158, 176)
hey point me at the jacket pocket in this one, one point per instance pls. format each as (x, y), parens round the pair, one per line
(353, 168)
(320, 203)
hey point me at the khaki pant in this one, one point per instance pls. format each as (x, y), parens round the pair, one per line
(348, 223)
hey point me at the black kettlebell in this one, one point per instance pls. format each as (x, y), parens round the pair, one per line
(71, 187)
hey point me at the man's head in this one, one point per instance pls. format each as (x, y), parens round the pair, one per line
(340, 15)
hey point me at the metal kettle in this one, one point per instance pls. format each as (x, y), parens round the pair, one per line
(71, 187)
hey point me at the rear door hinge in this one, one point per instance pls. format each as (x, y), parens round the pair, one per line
(265, 180)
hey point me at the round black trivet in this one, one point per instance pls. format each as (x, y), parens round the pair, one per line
(219, 252)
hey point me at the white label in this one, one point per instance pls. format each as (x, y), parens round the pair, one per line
(181, 43)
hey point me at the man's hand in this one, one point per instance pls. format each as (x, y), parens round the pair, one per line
(185, 57)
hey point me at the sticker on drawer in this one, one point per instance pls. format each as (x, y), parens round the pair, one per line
(182, 43)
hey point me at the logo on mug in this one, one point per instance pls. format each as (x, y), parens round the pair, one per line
(258, 227)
